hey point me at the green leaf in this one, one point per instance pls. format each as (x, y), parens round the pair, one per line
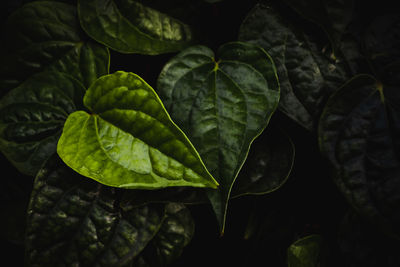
(129, 140)
(32, 116)
(128, 26)
(175, 233)
(305, 252)
(222, 105)
(268, 164)
(76, 222)
(306, 76)
(359, 134)
(45, 35)
(332, 15)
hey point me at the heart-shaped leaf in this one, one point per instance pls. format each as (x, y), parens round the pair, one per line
(32, 116)
(128, 26)
(222, 105)
(268, 165)
(129, 140)
(45, 35)
(76, 222)
(305, 252)
(359, 134)
(306, 76)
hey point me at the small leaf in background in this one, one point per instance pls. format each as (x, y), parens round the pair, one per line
(32, 116)
(76, 222)
(305, 252)
(306, 76)
(129, 140)
(359, 134)
(332, 15)
(130, 27)
(268, 166)
(223, 105)
(45, 35)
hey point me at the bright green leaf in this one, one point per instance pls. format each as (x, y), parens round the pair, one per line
(359, 133)
(128, 26)
(306, 75)
(222, 105)
(76, 222)
(32, 116)
(46, 35)
(129, 140)
(305, 252)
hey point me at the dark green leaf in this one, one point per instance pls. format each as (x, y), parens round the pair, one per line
(305, 252)
(332, 15)
(175, 233)
(32, 116)
(222, 105)
(359, 134)
(45, 35)
(306, 75)
(128, 26)
(76, 222)
(268, 166)
(129, 140)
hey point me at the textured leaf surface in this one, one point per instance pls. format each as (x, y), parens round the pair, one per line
(175, 233)
(76, 222)
(360, 136)
(222, 106)
(306, 75)
(128, 26)
(268, 164)
(45, 35)
(32, 116)
(305, 252)
(129, 140)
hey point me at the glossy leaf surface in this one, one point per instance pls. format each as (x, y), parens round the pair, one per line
(359, 134)
(222, 106)
(45, 35)
(76, 222)
(32, 116)
(306, 75)
(268, 166)
(129, 140)
(305, 252)
(128, 26)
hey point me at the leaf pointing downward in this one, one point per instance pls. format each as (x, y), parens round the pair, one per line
(129, 141)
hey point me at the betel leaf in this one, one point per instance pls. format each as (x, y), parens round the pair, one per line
(128, 26)
(359, 134)
(332, 15)
(222, 105)
(268, 166)
(45, 35)
(76, 222)
(175, 233)
(306, 75)
(305, 252)
(32, 116)
(129, 140)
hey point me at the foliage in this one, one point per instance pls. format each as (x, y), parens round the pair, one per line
(272, 124)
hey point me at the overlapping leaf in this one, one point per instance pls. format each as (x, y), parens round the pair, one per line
(128, 26)
(305, 252)
(222, 105)
(359, 133)
(306, 75)
(75, 221)
(45, 35)
(32, 116)
(129, 140)
(269, 165)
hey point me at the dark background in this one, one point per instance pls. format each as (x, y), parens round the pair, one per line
(308, 203)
